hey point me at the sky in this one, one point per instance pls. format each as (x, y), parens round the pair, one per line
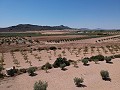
(73, 13)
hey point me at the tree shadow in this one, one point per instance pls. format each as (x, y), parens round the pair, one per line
(86, 64)
(64, 69)
(107, 79)
(32, 75)
(82, 85)
(109, 62)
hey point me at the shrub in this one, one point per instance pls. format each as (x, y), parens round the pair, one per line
(31, 71)
(59, 61)
(40, 85)
(47, 65)
(108, 59)
(66, 62)
(96, 61)
(78, 81)
(104, 74)
(12, 72)
(99, 57)
(85, 61)
(62, 66)
(117, 56)
(52, 48)
(88, 59)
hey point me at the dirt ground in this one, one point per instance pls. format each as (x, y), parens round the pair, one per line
(63, 80)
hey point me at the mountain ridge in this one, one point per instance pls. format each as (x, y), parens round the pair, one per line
(30, 27)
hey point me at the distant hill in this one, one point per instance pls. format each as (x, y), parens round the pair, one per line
(29, 27)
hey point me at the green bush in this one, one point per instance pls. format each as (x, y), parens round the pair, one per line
(117, 56)
(59, 61)
(108, 59)
(95, 60)
(40, 85)
(47, 65)
(99, 57)
(62, 66)
(31, 71)
(104, 74)
(85, 61)
(78, 81)
(12, 72)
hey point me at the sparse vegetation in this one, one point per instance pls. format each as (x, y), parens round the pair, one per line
(47, 65)
(105, 75)
(85, 61)
(60, 61)
(40, 85)
(99, 57)
(31, 71)
(62, 66)
(78, 81)
(108, 59)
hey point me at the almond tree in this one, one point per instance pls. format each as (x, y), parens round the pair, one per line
(63, 52)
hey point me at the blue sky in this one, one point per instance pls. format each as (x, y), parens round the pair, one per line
(73, 13)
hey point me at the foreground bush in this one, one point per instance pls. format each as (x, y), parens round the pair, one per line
(78, 81)
(105, 75)
(31, 71)
(40, 85)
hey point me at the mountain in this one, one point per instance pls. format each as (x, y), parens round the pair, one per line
(29, 27)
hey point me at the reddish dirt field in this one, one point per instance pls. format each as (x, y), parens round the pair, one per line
(63, 80)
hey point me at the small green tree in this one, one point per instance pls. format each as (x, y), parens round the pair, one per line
(40, 85)
(96, 61)
(99, 57)
(62, 66)
(108, 59)
(63, 52)
(31, 71)
(48, 65)
(78, 81)
(104, 74)
(85, 61)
